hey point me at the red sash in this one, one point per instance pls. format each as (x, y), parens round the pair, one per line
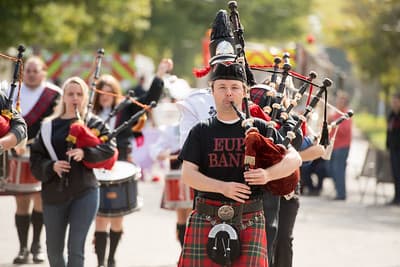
(41, 106)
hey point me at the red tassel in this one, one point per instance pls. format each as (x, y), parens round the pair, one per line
(199, 73)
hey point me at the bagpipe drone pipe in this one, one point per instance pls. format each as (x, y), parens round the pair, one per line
(7, 111)
(260, 151)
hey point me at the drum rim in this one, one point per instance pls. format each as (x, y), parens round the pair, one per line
(137, 207)
(136, 177)
(23, 188)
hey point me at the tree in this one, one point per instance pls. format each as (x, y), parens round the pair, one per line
(60, 25)
(177, 27)
(157, 28)
(373, 39)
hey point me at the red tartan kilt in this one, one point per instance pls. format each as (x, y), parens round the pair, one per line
(253, 243)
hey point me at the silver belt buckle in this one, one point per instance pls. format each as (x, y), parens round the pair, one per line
(226, 212)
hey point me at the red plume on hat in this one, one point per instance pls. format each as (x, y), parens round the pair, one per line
(261, 152)
(222, 43)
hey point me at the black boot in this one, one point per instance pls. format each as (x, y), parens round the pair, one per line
(181, 228)
(22, 257)
(36, 249)
(114, 240)
(100, 243)
(22, 224)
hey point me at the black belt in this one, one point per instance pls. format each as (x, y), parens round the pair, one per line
(238, 209)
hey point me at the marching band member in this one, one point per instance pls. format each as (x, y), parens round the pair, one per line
(69, 189)
(38, 99)
(13, 132)
(289, 206)
(166, 148)
(224, 199)
(200, 106)
(104, 104)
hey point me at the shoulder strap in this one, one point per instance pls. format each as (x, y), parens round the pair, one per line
(45, 132)
(45, 101)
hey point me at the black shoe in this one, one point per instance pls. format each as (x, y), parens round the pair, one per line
(340, 198)
(111, 263)
(22, 257)
(38, 256)
(314, 192)
(395, 202)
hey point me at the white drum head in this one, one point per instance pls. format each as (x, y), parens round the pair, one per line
(121, 171)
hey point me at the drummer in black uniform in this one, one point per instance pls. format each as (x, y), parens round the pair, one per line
(104, 104)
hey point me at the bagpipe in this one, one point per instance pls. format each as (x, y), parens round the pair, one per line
(81, 136)
(128, 99)
(7, 109)
(260, 151)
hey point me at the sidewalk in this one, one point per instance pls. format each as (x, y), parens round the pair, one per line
(355, 233)
(327, 233)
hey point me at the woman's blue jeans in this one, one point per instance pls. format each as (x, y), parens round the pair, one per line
(337, 167)
(78, 213)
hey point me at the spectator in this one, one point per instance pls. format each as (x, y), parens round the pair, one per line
(393, 144)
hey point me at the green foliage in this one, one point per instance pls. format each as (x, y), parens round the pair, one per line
(373, 40)
(373, 127)
(68, 25)
(157, 28)
(177, 27)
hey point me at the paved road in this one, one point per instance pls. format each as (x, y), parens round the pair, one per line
(327, 233)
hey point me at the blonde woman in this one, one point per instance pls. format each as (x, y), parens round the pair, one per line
(70, 191)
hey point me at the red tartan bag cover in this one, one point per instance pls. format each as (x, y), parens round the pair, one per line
(82, 136)
(263, 153)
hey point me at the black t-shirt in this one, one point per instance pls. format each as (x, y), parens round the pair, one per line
(217, 148)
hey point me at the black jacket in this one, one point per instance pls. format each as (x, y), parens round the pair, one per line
(80, 178)
(393, 131)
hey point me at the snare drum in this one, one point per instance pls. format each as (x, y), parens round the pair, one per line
(19, 177)
(118, 189)
(177, 194)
